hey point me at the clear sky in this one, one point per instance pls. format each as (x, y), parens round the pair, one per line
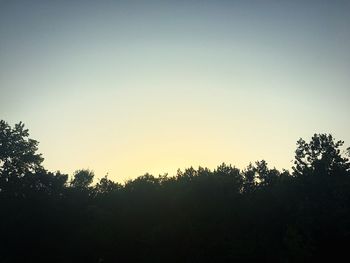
(129, 87)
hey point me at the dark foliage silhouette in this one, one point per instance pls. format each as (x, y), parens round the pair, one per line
(198, 215)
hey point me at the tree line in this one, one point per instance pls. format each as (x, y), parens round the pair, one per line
(198, 215)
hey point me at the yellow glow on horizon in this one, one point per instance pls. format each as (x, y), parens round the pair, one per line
(128, 89)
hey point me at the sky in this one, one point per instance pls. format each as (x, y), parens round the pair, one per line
(129, 87)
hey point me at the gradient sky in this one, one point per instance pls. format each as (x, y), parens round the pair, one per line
(128, 87)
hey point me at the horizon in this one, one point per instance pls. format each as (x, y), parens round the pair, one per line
(128, 88)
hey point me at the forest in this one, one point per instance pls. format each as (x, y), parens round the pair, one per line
(224, 214)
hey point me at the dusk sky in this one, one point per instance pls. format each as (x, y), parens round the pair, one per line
(129, 87)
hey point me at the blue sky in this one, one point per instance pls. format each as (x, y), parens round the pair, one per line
(128, 87)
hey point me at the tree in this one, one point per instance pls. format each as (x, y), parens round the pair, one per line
(232, 175)
(82, 179)
(249, 178)
(320, 155)
(265, 175)
(17, 152)
(18, 158)
(105, 186)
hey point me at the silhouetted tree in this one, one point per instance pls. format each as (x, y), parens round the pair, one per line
(249, 178)
(322, 155)
(265, 175)
(18, 152)
(233, 174)
(18, 155)
(198, 215)
(106, 186)
(82, 179)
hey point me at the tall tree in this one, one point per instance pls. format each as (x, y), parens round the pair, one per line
(82, 179)
(18, 153)
(321, 155)
(18, 156)
(265, 175)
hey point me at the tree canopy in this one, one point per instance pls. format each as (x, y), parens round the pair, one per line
(197, 215)
(322, 155)
(17, 151)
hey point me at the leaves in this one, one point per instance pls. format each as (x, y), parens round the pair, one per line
(321, 155)
(198, 215)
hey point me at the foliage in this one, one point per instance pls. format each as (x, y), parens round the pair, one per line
(198, 215)
(17, 152)
(322, 155)
(82, 179)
